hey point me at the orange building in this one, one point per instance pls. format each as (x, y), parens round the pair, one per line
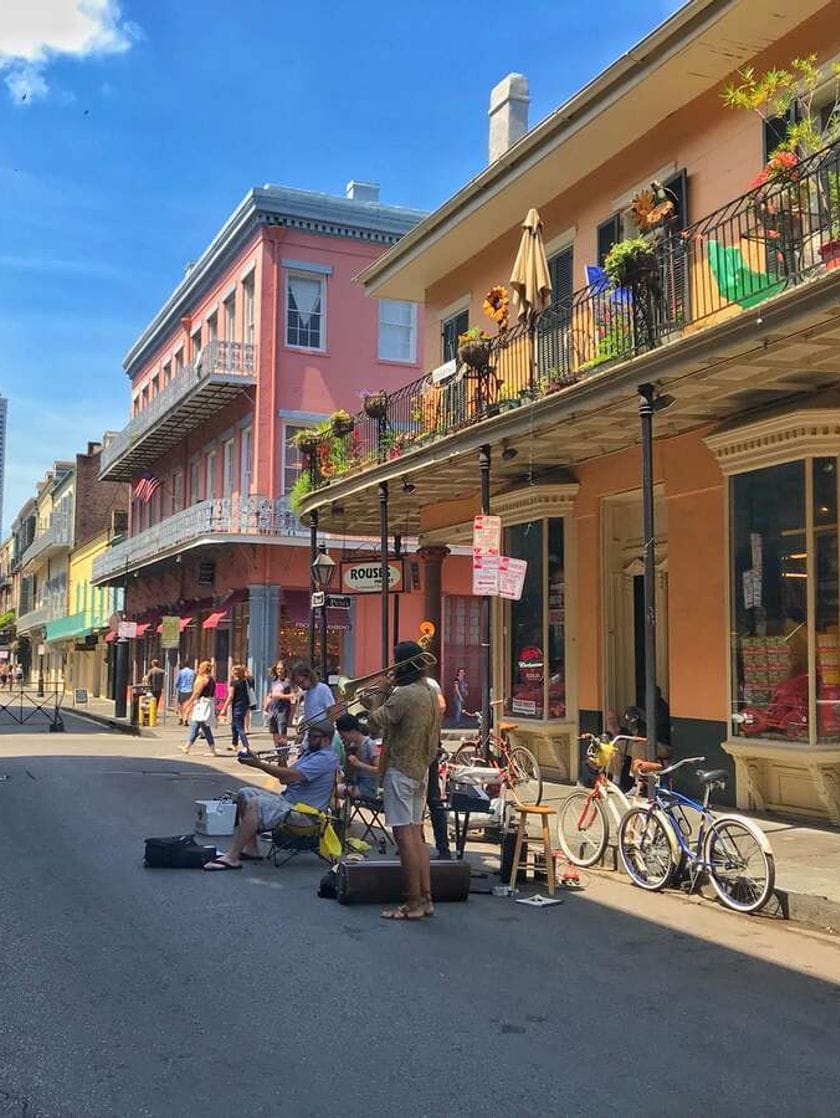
(734, 325)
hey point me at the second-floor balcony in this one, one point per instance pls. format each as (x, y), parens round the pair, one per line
(220, 373)
(53, 540)
(706, 299)
(220, 520)
(50, 609)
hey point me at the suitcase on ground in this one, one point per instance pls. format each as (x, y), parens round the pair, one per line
(381, 882)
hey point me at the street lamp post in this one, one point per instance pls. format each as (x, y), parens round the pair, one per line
(323, 570)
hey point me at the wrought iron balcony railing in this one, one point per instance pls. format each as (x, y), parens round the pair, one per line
(221, 371)
(255, 517)
(772, 238)
(58, 537)
(36, 618)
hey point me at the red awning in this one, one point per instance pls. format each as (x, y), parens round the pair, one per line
(110, 636)
(215, 619)
(142, 627)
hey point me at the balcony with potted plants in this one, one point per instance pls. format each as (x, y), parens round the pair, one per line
(221, 372)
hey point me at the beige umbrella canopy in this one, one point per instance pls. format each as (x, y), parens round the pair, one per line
(529, 279)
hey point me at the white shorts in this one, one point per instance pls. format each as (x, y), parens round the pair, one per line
(403, 798)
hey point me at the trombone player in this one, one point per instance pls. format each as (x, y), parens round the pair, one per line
(409, 720)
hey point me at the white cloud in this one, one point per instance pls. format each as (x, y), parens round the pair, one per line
(32, 35)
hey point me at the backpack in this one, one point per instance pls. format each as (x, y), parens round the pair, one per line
(180, 852)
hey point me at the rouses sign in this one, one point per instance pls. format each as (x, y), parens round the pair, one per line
(364, 576)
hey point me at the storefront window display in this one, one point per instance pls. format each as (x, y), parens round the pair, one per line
(786, 647)
(537, 626)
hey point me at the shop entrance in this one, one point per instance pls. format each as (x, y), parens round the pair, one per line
(461, 648)
(624, 613)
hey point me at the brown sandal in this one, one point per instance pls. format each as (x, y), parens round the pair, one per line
(428, 905)
(402, 913)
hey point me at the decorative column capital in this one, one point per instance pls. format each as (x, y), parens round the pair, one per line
(433, 553)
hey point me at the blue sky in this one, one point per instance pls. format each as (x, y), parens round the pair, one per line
(130, 129)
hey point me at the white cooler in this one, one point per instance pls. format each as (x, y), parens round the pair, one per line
(215, 817)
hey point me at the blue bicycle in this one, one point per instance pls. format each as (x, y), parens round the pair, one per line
(660, 841)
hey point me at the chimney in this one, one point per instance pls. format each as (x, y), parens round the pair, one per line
(362, 191)
(508, 114)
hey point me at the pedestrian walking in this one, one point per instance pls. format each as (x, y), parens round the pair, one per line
(201, 708)
(278, 705)
(460, 691)
(154, 681)
(238, 702)
(184, 683)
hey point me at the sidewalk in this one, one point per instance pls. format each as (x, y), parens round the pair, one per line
(807, 854)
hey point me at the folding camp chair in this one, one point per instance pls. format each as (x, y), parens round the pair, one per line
(371, 821)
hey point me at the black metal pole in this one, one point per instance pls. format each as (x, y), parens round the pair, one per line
(383, 545)
(397, 554)
(647, 394)
(40, 672)
(120, 678)
(313, 555)
(324, 640)
(484, 466)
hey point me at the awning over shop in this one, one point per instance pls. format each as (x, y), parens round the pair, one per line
(142, 627)
(295, 611)
(110, 636)
(217, 618)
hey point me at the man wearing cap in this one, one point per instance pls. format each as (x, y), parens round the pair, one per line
(409, 720)
(309, 781)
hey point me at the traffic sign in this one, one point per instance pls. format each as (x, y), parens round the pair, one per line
(318, 599)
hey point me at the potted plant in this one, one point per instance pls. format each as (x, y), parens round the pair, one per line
(307, 441)
(376, 404)
(633, 263)
(301, 487)
(341, 423)
(474, 349)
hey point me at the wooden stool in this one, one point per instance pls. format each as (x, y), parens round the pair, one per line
(544, 812)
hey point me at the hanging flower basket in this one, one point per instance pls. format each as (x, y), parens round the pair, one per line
(474, 349)
(376, 406)
(307, 442)
(633, 263)
(342, 424)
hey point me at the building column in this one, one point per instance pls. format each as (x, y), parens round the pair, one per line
(432, 559)
(263, 647)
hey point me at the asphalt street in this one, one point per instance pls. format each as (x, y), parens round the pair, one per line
(133, 992)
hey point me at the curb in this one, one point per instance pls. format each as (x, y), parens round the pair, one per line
(785, 905)
(110, 723)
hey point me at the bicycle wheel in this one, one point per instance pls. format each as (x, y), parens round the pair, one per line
(467, 753)
(742, 872)
(524, 778)
(583, 829)
(646, 848)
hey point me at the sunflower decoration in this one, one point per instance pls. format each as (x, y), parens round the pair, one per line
(497, 305)
(651, 207)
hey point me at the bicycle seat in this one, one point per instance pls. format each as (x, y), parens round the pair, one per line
(505, 726)
(712, 776)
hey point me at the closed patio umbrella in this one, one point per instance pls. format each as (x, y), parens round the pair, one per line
(529, 280)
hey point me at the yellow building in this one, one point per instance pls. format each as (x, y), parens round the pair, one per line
(80, 635)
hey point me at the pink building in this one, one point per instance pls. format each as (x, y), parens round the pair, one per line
(266, 334)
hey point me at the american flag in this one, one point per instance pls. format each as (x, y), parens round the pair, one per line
(144, 489)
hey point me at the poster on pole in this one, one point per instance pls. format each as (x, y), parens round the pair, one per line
(485, 575)
(170, 634)
(127, 629)
(487, 535)
(511, 577)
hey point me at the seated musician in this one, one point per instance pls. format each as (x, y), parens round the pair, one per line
(362, 759)
(310, 781)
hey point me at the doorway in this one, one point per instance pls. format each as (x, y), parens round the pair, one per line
(461, 648)
(623, 597)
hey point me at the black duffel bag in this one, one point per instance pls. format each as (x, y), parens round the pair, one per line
(179, 852)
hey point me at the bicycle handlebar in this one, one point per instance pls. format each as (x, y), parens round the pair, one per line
(679, 765)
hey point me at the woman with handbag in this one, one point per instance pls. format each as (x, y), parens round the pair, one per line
(201, 708)
(238, 702)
